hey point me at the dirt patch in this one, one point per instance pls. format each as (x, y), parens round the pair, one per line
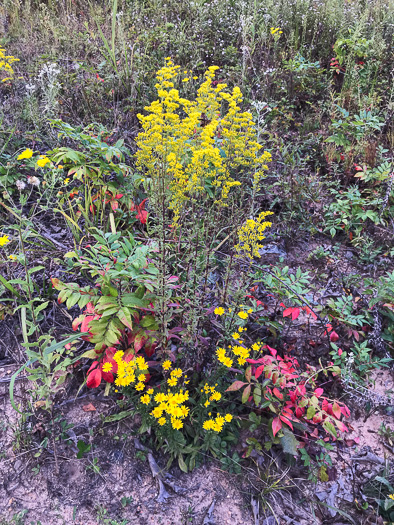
(56, 488)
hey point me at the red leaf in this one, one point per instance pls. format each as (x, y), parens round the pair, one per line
(341, 426)
(334, 337)
(277, 393)
(235, 386)
(318, 392)
(150, 349)
(276, 426)
(286, 421)
(287, 312)
(345, 411)
(295, 313)
(259, 371)
(336, 410)
(94, 378)
(139, 341)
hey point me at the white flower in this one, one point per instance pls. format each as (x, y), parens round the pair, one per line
(20, 185)
(34, 181)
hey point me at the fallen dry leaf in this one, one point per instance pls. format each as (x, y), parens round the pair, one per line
(88, 408)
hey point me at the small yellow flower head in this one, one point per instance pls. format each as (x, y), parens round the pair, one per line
(172, 381)
(228, 418)
(162, 421)
(139, 386)
(107, 367)
(150, 391)
(235, 335)
(177, 372)
(242, 315)
(255, 347)
(219, 311)
(4, 240)
(166, 365)
(27, 154)
(66, 181)
(176, 423)
(42, 161)
(160, 397)
(13, 257)
(145, 399)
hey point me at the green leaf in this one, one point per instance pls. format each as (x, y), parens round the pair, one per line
(82, 448)
(246, 394)
(182, 464)
(289, 442)
(310, 412)
(329, 427)
(118, 417)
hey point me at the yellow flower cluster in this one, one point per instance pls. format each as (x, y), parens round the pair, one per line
(5, 64)
(217, 424)
(276, 31)
(170, 404)
(211, 393)
(176, 374)
(186, 153)
(250, 235)
(222, 358)
(130, 372)
(27, 154)
(4, 240)
(42, 161)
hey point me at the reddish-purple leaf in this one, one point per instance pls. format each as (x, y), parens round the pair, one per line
(235, 386)
(276, 425)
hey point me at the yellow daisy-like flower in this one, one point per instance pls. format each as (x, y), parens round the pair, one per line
(4, 240)
(43, 161)
(27, 154)
(66, 181)
(157, 412)
(160, 397)
(166, 365)
(150, 391)
(243, 315)
(235, 336)
(255, 347)
(219, 311)
(228, 418)
(145, 399)
(139, 386)
(162, 421)
(172, 381)
(107, 367)
(176, 423)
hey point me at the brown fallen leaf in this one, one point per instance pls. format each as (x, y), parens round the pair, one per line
(88, 408)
